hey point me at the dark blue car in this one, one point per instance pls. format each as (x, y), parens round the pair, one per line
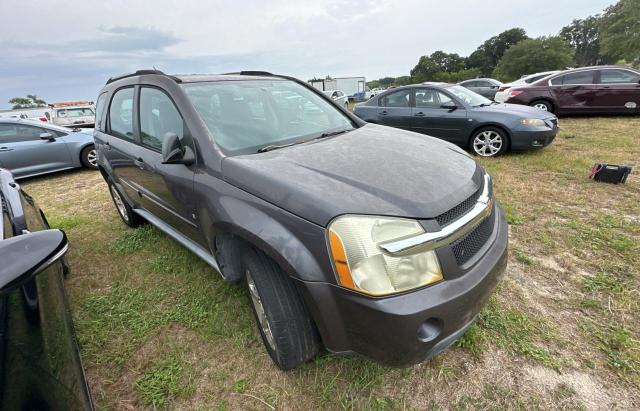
(456, 114)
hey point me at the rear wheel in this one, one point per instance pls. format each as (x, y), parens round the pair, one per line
(287, 330)
(125, 211)
(542, 105)
(89, 157)
(489, 142)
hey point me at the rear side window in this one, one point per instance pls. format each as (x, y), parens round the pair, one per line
(581, 77)
(158, 116)
(121, 114)
(618, 77)
(102, 101)
(397, 99)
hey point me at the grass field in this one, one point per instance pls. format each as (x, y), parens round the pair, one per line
(158, 329)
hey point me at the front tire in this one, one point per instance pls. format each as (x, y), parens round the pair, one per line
(489, 142)
(542, 105)
(129, 217)
(286, 328)
(89, 157)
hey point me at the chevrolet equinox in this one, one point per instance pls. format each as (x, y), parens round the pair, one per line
(353, 236)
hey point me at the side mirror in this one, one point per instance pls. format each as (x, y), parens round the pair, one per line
(173, 152)
(449, 106)
(26, 255)
(47, 136)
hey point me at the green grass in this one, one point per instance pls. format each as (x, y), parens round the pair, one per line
(165, 381)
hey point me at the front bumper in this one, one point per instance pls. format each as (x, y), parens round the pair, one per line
(408, 328)
(532, 139)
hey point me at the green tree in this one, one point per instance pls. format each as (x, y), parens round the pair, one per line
(429, 67)
(584, 36)
(403, 81)
(31, 100)
(487, 55)
(534, 55)
(620, 31)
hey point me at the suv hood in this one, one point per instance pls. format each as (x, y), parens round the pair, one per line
(517, 110)
(371, 170)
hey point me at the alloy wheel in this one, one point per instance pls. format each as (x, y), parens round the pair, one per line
(261, 314)
(488, 143)
(92, 157)
(119, 203)
(541, 106)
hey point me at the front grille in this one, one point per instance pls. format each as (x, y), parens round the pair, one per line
(457, 211)
(470, 244)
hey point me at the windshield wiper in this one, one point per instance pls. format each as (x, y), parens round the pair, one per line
(482, 105)
(270, 147)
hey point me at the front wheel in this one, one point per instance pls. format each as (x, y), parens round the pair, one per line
(489, 142)
(89, 157)
(287, 330)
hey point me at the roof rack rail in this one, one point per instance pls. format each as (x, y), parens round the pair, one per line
(251, 73)
(140, 73)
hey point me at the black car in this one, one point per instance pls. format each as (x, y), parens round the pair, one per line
(458, 115)
(365, 238)
(40, 366)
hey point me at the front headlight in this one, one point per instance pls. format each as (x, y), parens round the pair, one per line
(533, 122)
(361, 265)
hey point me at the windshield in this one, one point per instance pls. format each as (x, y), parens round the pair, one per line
(468, 96)
(245, 116)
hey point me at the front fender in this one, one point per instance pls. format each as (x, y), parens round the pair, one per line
(297, 245)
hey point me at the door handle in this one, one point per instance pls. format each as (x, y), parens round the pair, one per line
(5, 149)
(139, 162)
(383, 113)
(107, 146)
(420, 114)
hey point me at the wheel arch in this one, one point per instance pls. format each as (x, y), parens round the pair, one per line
(82, 147)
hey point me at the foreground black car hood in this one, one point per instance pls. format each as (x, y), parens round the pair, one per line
(516, 109)
(372, 170)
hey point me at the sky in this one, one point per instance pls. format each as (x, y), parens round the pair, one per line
(66, 50)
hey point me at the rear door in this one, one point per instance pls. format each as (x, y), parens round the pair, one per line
(618, 91)
(575, 92)
(24, 153)
(166, 189)
(431, 119)
(395, 110)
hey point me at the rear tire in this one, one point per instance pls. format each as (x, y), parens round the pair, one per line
(543, 105)
(123, 208)
(89, 157)
(286, 328)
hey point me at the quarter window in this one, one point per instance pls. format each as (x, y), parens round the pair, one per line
(397, 99)
(102, 100)
(158, 116)
(121, 114)
(618, 76)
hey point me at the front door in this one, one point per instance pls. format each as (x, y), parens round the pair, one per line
(395, 109)
(430, 118)
(25, 153)
(618, 91)
(167, 189)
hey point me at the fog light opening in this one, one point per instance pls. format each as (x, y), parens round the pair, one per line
(429, 330)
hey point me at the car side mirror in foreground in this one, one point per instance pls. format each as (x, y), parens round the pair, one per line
(174, 152)
(24, 256)
(47, 136)
(449, 106)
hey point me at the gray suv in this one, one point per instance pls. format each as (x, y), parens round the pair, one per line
(352, 236)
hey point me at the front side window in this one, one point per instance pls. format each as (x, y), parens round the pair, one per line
(121, 114)
(158, 116)
(430, 98)
(397, 99)
(245, 116)
(16, 133)
(618, 77)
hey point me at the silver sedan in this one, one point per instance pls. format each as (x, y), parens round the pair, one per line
(29, 148)
(338, 97)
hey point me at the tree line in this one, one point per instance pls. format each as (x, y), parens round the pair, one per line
(610, 37)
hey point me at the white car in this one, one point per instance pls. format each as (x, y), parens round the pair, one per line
(338, 97)
(503, 92)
